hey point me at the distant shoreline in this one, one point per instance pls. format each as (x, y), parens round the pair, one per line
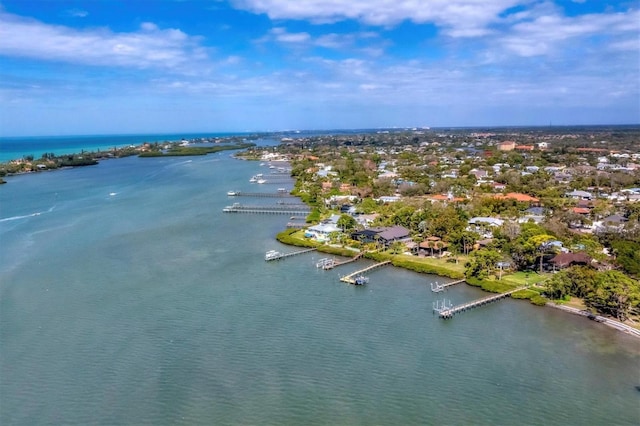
(50, 161)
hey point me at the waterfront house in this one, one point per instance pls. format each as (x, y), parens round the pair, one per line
(392, 234)
(430, 245)
(564, 260)
(385, 235)
(321, 231)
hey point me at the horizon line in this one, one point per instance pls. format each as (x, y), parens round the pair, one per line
(250, 132)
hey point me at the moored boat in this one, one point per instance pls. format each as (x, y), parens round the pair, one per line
(361, 280)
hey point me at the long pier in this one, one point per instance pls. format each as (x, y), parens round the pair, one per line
(333, 264)
(262, 194)
(290, 210)
(277, 176)
(350, 278)
(442, 287)
(274, 255)
(449, 312)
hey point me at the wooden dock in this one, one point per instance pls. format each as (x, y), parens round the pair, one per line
(334, 264)
(277, 176)
(350, 279)
(274, 255)
(291, 210)
(437, 288)
(449, 312)
(263, 194)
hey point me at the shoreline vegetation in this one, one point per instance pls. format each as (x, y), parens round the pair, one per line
(51, 161)
(352, 165)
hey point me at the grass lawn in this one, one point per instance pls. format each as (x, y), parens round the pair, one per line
(441, 263)
(519, 279)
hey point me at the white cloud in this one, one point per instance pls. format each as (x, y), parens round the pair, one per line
(281, 35)
(363, 42)
(549, 32)
(77, 13)
(460, 18)
(147, 48)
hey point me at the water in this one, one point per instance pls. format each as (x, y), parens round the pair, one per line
(128, 297)
(12, 148)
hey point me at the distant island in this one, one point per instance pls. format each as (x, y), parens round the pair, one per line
(50, 161)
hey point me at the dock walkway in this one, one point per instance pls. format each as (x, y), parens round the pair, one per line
(350, 279)
(262, 194)
(447, 313)
(333, 264)
(274, 255)
(277, 209)
(437, 288)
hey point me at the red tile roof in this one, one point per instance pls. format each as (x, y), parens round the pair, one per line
(581, 210)
(518, 197)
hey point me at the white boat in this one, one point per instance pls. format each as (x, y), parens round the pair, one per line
(253, 179)
(261, 181)
(361, 280)
(232, 193)
(271, 254)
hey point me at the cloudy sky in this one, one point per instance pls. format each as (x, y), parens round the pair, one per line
(152, 66)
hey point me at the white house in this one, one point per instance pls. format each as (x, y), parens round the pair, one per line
(321, 231)
(484, 225)
(579, 195)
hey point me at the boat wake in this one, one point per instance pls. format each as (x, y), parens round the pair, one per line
(26, 216)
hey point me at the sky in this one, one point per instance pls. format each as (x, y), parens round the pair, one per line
(160, 66)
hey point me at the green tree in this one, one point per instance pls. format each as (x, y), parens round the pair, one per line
(615, 294)
(397, 247)
(481, 263)
(627, 256)
(367, 206)
(346, 222)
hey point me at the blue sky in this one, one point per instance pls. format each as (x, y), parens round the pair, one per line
(151, 66)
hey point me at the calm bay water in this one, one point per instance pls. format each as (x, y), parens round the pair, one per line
(128, 297)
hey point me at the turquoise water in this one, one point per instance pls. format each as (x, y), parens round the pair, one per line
(18, 147)
(128, 297)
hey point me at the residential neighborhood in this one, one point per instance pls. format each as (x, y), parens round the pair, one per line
(535, 202)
